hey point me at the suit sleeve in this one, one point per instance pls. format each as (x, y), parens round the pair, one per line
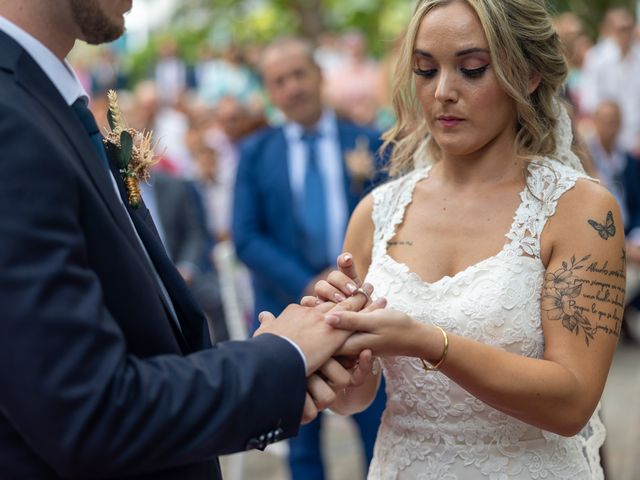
(69, 386)
(261, 254)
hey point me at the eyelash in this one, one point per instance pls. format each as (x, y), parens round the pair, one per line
(469, 73)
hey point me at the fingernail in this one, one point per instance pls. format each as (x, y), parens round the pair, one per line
(318, 301)
(368, 288)
(380, 302)
(346, 257)
(351, 287)
(261, 317)
(332, 320)
(339, 297)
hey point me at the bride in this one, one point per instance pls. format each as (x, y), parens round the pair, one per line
(502, 263)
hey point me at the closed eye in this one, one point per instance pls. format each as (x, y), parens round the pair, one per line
(429, 73)
(474, 72)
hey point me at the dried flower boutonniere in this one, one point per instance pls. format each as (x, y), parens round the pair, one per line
(360, 163)
(132, 150)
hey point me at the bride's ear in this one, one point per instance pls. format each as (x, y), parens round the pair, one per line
(534, 81)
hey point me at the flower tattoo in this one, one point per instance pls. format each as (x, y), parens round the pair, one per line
(559, 299)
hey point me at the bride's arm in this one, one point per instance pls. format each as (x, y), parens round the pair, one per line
(582, 306)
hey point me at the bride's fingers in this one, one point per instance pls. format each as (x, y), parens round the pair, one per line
(349, 320)
(342, 282)
(347, 266)
(357, 343)
(356, 302)
(377, 304)
(327, 292)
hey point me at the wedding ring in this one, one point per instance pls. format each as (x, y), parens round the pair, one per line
(362, 291)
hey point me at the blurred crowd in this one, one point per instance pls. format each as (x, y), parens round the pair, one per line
(604, 89)
(201, 113)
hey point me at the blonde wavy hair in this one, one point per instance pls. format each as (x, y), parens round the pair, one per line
(522, 42)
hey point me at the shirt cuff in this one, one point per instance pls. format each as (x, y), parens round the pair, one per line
(304, 359)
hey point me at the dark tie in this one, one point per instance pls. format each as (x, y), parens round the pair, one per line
(314, 208)
(88, 121)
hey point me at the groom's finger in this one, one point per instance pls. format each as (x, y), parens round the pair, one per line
(310, 411)
(322, 394)
(335, 374)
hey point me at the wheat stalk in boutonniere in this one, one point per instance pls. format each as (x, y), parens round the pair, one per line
(132, 150)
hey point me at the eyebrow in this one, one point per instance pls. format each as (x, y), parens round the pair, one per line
(461, 53)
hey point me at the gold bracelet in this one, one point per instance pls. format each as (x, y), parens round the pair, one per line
(434, 368)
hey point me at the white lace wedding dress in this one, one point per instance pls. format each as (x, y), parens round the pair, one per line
(432, 429)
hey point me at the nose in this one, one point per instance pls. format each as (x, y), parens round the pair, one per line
(446, 90)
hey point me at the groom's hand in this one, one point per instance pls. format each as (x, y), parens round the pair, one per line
(305, 326)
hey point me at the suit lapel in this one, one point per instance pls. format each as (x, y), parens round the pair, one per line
(31, 77)
(35, 82)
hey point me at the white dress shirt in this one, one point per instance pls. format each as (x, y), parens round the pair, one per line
(331, 169)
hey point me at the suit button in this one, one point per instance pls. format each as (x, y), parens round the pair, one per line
(253, 443)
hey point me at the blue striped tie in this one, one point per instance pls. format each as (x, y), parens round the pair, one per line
(88, 121)
(314, 208)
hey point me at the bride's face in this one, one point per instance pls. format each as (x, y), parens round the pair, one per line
(465, 106)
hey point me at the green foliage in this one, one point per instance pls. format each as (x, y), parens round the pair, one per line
(220, 22)
(262, 20)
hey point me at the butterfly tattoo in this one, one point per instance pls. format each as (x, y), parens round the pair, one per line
(607, 230)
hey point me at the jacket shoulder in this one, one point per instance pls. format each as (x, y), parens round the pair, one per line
(255, 142)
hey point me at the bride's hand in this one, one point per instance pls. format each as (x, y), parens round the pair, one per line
(384, 332)
(341, 283)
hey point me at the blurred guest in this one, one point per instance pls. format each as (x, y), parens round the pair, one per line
(170, 127)
(352, 88)
(576, 43)
(328, 54)
(170, 73)
(173, 205)
(619, 171)
(294, 194)
(231, 123)
(228, 76)
(105, 73)
(612, 72)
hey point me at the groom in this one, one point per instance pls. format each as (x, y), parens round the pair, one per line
(105, 369)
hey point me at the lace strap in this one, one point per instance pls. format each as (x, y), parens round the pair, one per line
(389, 203)
(548, 180)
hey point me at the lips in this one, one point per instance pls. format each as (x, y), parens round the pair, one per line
(449, 121)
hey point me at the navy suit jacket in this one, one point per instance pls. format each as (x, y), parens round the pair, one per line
(96, 380)
(631, 181)
(264, 224)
